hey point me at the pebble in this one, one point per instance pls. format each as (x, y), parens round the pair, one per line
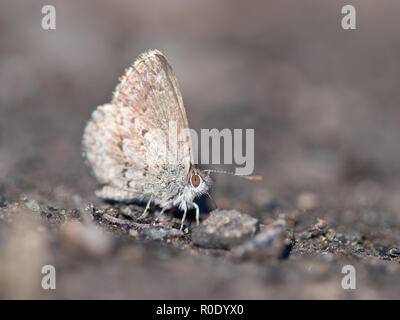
(32, 205)
(316, 230)
(269, 242)
(321, 224)
(330, 235)
(224, 229)
(157, 233)
(394, 252)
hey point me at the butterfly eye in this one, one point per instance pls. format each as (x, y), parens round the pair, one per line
(195, 180)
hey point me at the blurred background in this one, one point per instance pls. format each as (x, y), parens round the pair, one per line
(324, 102)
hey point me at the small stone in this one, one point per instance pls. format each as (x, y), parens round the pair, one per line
(305, 235)
(157, 233)
(394, 252)
(330, 235)
(341, 238)
(131, 211)
(32, 205)
(268, 243)
(316, 230)
(90, 208)
(224, 229)
(321, 224)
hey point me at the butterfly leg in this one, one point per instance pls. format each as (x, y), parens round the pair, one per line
(197, 213)
(183, 218)
(145, 212)
(161, 213)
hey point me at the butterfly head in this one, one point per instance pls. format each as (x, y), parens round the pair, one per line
(199, 181)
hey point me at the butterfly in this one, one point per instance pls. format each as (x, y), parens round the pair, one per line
(123, 141)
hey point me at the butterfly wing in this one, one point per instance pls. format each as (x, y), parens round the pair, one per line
(141, 138)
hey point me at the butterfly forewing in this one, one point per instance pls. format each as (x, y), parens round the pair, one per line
(127, 142)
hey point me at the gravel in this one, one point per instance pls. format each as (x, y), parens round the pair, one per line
(224, 229)
(268, 243)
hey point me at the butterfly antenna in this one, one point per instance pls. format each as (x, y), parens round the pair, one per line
(253, 178)
(211, 198)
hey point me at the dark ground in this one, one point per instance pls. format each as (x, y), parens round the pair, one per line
(324, 103)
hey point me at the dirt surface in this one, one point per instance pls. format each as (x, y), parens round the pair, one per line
(324, 103)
